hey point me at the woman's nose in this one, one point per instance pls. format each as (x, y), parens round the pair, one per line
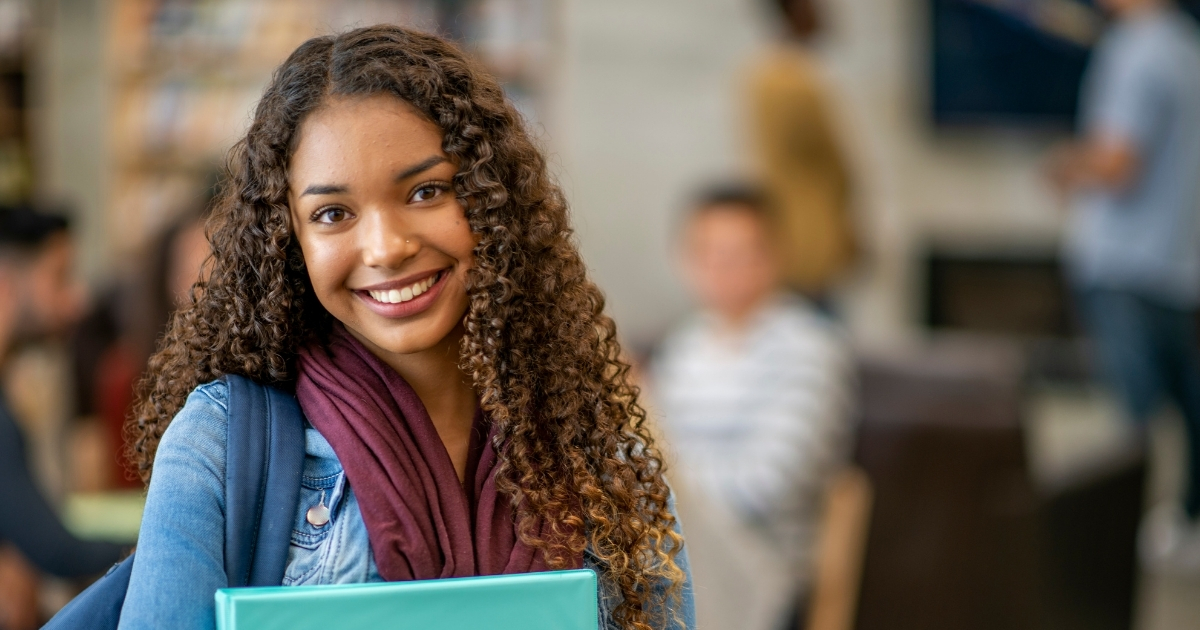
(385, 241)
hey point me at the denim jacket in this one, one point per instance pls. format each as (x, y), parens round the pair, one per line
(180, 559)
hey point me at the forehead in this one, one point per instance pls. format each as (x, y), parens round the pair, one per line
(348, 133)
(727, 221)
(57, 248)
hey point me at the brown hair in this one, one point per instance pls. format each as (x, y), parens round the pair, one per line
(538, 346)
(803, 17)
(737, 196)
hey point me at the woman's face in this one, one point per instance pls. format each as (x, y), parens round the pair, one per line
(386, 242)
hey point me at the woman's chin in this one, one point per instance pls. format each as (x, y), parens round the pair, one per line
(404, 339)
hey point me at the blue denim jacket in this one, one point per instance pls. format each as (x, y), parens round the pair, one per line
(180, 558)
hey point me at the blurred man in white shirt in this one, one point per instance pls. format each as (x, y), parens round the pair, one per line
(755, 387)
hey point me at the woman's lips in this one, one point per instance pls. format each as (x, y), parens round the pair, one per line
(407, 307)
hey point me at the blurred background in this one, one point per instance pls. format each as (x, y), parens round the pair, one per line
(1002, 485)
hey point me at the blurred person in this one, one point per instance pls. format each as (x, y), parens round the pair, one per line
(755, 388)
(1133, 244)
(18, 591)
(39, 298)
(798, 156)
(116, 339)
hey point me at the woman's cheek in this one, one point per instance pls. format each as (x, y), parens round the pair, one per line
(326, 272)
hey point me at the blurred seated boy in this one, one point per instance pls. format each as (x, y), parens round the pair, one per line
(39, 297)
(755, 387)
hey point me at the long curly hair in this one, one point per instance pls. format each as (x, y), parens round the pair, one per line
(538, 347)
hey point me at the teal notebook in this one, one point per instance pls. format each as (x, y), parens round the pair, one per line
(552, 600)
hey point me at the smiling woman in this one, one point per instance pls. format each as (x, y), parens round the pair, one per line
(389, 246)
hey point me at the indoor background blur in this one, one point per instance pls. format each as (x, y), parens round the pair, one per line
(1007, 488)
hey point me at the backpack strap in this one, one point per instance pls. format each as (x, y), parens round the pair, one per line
(264, 460)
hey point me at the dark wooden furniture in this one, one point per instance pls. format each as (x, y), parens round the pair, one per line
(961, 536)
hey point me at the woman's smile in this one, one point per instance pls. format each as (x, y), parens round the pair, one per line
(404, 297)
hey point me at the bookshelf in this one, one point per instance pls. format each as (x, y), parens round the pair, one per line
(185, 74)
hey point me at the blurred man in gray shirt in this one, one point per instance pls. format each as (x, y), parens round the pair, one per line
(1133, 244)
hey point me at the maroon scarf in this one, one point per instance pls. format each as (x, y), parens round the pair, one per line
(422, 523)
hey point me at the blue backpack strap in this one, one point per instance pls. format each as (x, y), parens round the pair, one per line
(265, 457)
(98, 607)
(264, 460)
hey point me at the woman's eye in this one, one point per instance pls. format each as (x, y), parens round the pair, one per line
(329, 215)
(425, 193)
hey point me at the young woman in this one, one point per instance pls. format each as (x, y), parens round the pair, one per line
(390, 245)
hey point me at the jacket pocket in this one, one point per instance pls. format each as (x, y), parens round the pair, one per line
(315, 493)
(309, 548)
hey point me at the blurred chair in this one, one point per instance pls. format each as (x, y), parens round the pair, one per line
(961, 535)
(840, 552)
(953, 539)
(1089, 520)
(740, 583)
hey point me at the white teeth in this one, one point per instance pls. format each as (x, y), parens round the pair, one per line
(396, 296)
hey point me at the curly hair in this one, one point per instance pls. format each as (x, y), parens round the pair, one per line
(538, 347)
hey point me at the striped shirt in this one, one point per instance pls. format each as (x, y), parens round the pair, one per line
(758, 420)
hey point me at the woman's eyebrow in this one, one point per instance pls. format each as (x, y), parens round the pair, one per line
(337, 189)
(324, 189)
(421, 167)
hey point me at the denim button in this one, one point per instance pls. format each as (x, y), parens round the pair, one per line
(317, 516)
